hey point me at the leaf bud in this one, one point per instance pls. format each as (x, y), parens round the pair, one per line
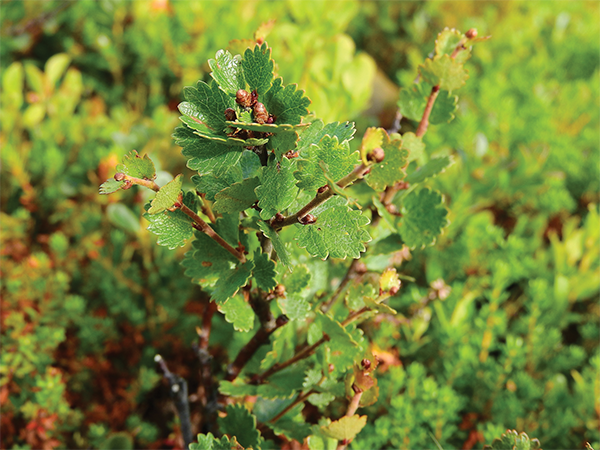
(119, 176)
(292, 154)
(307, 219)
(366, 364)
(253, 97)
(471, 34)
(281, 320)
(260, 113)
(376, 155)
(243, 98)
(230, 114)
(322, 189)
(280, 290)
(394, 290)
(271, 119)
(360, 268)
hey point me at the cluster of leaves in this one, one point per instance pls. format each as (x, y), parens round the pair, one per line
(261, 167)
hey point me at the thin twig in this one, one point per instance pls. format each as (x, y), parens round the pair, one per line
(304, 353)
(357, 173)
(352, 407)
(288, 408)
(179, 394)
(201, 225)
(260, 338)
(350, 274)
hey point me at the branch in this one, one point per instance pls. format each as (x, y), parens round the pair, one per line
(391, 191)
(261, 337)
(201, 225)
(206, 391)
(305, 353)
(352, 407)
(356, 268)
(179, 394)
(321, 197)
(130, 181)
(300, 399)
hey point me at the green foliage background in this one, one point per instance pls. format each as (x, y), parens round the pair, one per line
(510, 339)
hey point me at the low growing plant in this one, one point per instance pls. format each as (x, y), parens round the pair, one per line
(279, 201)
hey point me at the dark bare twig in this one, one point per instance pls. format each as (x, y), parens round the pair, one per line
(179, 394)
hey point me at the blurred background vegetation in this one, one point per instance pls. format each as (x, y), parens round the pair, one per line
(88, 298)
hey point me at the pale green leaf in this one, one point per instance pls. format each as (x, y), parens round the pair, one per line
(266, 127)
(264, 272)
(237, 388)
(12, 85)
(212, 102)
(338, 232)
(392, 168)
(294, 306)
(237, 197)
(434, 167)
(321, 400)
(209, 442)
(111, 185)
(173, 228)
(346, 428)
(239, 313)
(227, 71)
(277, 190)
(338, 157)
(413, 101)
(55, 67)
(228, 284)
(200, 128)
(166, 196)
(136, 166)
(445, 72)
(298, 280)
(423, 217)
(414, 145)
(446, 43)
(316, 130)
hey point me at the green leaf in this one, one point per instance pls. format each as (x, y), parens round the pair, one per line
(412, 103)
(429, 170)
(392, 168)
(250, 164)
(321, 400)
(241, 424)
(203, 155)
(445, 72)
(283, 343)
(387, 245)
(228, 227)
(278, 245)
(111, 185)
(379, 306)
(338, 157)
(288, 105)
(423, 217)
(338, 231)
(136, 166)
(215, 182)
(266, 127)
(166, 196)
(346, 428)
(199, 128)
(228, 284)
(207, 261)
(512, 440)
(446, 43)
(121, 216)
(277, 190)
(297, 281)
(237, 197)
(414, 145)
(314, 133)
(55, 68)
(258, 68)
(282, 143)
(173, 228)
(264, 272)
(294, 306)
(239, 313)
(237, 388)
(209, 442)
(211, 102)
(227, 71)
(283, 384)
(337, 333)
(292, 429)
